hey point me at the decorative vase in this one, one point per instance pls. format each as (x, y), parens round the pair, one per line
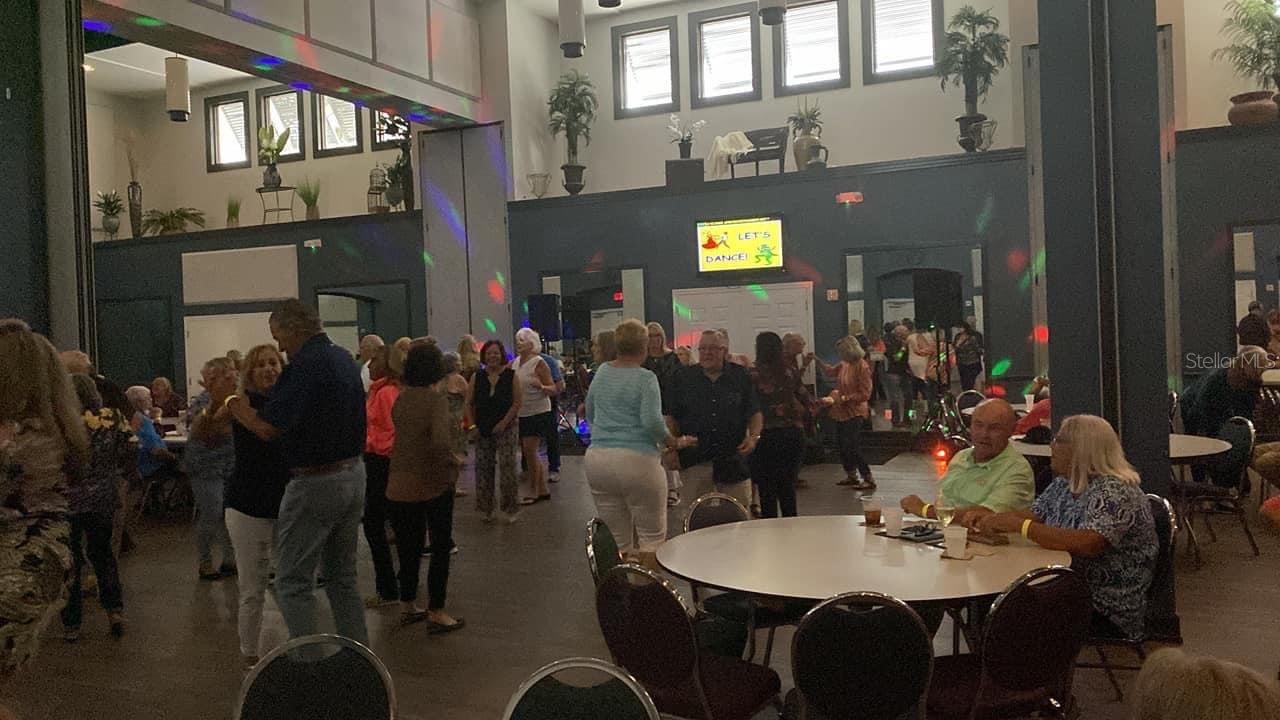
(800, 147)
(969, 139)
(271, 177)
(818, 155)
(111, 224)
(313, 212)
(538, 183)
(1253, 108)
(573, 178)
(233, 221)
(135, 208)
(686, 149)
(395, 194)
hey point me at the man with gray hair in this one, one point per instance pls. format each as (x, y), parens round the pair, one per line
(316, 413)
(369, 345)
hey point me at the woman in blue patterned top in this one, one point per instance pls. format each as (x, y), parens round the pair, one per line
(1096, 511)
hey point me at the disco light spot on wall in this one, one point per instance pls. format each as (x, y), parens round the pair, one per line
(1017, 261)
(452, 217)
(148, 21)
(96, 25)
(524, 307)
(344, 89)
(1026, 389)
(428, 260)
(760, 293)
(502, 279)
(417, 117)
(349, 250)
(803, 270)
(300, 86)
(1041, 334)
(596, 263)
(681, 310)
(1001, 367)
(490, 325)
(496, 292)
(268, 61)
(984, 216)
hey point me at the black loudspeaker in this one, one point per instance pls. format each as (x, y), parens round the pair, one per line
(544, 316)
(939, 298)
(575, 318)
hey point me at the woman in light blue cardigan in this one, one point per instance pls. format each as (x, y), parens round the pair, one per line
(624, 462)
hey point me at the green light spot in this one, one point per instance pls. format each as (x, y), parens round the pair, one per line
(1026, 389)
(984, 217)
(145, 21)
(344, 89)
(490, 325)
(426, 258)
(1024, 282)
(502, 279)
(682, 310)
(760, 293)
(525, 307)
(263, 67)
(1001, 367)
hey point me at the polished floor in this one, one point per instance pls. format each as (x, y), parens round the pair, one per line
(526, 594)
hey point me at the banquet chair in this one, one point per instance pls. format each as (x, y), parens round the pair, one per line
(602, 549)
(966, 400)
(718, 509)
(1226, 495)
(859, 655)
(1024, 663)
(650, 633)
(315, 678)
(1166, 522)
(546, 695)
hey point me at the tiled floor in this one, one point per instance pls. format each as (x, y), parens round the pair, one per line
(526, 594)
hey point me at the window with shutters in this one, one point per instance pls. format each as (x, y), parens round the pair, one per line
(811, 48)
(281, 107)
(645, 80)
(226, 132)
(339, 128)
(724, 45)
(900, 38)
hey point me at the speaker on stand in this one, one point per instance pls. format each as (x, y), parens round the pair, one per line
(544, 316)
(939, 306)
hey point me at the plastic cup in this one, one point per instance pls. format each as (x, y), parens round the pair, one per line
(956, 538)
(1029, 400)
(893, 521)
(871, 507)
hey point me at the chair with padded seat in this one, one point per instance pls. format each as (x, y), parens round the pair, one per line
(1166, 523)
(1225, 494)
(714, 509)
(861, 655)
(602, 549)
(558, 692)
(318, 677)
(1023, 665)
(649, 632)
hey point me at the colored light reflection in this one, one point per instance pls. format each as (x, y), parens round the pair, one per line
(682, 310)
(1001, 367)
(300, 85)
(96, 25)
(490, 325)
(760, 293)
(1041, 334)
(997, 391)
(1017, 260)
(147, 21)
(269, 60)
(984, 217)
(344, 89)
(496, 292)
(524, 307)
(502, 279)
(426, 258)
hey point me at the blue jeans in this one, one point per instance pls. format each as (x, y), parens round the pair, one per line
(318, 526)
(211, 527)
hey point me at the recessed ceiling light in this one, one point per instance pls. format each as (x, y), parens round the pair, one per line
(87, 67)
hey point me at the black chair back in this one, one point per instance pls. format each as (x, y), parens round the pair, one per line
(1230, 469)
(647, 626)
(863, 655)
(1035, 630)
(318, 677)
(1173, 411)
(593, 690)
(714, 509)
(602, 549)
(1160, 602)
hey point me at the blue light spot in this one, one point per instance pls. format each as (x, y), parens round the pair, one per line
(97, 25)
(300, 85)
(417, 117)
(269, 60)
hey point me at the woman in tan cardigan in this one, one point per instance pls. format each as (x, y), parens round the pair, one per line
(424, 471)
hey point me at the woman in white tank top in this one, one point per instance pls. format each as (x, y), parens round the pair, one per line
(536, 420)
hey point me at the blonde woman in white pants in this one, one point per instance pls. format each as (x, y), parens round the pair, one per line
(624, 462)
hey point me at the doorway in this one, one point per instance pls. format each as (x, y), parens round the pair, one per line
(743, 310)
(210, 336)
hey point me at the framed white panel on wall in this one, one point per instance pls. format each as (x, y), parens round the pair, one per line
(853, 273)
(633, 294)
(1244, 254)
(288, 14)
(1246, 292)
(401, 34)
(262, 274)
(856, 311)
(347, 24)
(457, 55)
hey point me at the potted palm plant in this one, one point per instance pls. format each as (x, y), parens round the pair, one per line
(973, 53)
(159, 222)
(270, 146)
(806, 132)
(309, 193)
(572, 110)
(110, 205)
(1253, 29)
(400, 174)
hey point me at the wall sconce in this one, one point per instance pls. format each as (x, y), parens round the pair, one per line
(177, 89)
(772, 12)
(573, 28)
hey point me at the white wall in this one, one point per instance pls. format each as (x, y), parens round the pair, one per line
(174, 173)
(534, 67)
(1210, 83)
(885, 121)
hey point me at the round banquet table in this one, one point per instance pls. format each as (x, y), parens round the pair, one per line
(1182, 448)
(817, 557)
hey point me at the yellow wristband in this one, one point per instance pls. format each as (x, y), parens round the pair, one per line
(1026, 525)
(924, 511)
(228, 400)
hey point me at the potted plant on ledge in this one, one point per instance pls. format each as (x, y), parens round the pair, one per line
(572, 110)
(158, 222)
(233, 212)
(973, 53)
(806, 132)
(110, 205)
(1253, 29)
(682, 134)
(309, 194)
(270, 146)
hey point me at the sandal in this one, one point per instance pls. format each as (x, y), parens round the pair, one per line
(441, 629)
(410, 618)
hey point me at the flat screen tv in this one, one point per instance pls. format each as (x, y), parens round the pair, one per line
(744, 244)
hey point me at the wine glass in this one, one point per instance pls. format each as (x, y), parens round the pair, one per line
(946, 511)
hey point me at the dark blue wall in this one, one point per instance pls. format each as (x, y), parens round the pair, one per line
(360, 250)
(961, 201)
(23, 269)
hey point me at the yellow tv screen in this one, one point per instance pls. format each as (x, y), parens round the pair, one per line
(750, 244)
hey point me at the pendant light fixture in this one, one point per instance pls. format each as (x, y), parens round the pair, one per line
(772, 12)
(610, 3)
(573, 28)
(177, 89)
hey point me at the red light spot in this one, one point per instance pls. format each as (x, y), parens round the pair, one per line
(617, 296)
(1017, 260)
(496, 293)
(1041, 334)
(997, 391)
(849, 198)
(940, 453)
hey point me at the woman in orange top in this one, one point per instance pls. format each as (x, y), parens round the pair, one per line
(850, 408)
(385, 369)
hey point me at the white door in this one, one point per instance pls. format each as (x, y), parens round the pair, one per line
(211, 336)
(745, 311)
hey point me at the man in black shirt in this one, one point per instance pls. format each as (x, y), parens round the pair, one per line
(316, 412)
(715, 402)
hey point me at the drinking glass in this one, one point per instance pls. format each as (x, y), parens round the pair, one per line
(946, 511)
(871, 507)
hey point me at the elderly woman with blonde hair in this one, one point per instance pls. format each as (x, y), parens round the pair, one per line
(44, 449)
(1095, 510)
(1176, 686)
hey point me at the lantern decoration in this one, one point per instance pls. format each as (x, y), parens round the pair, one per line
(378, 190)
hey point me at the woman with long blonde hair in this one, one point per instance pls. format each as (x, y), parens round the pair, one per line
(1095, 510)
(1176, 686)
(44, 449)
(468, 356)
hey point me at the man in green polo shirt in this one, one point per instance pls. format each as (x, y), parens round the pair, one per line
(990, 477)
